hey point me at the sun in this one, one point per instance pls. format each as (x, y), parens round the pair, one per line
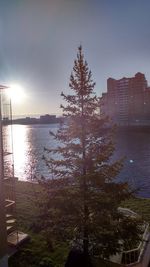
(16, 93)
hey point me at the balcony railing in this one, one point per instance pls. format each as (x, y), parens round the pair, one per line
(134, 256)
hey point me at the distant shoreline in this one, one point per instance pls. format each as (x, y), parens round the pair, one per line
(44, 119)
(60, 120)
(29, 124)
(38, 123)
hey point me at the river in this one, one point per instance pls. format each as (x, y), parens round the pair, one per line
(30, 140)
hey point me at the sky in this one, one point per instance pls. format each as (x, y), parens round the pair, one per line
(39, 41)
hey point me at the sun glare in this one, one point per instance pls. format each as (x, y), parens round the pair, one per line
(16, 93)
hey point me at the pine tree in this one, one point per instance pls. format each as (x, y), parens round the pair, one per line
(83, 195)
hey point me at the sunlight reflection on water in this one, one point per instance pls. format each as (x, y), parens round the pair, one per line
(28, 145)
(21, 149)
(29, 142)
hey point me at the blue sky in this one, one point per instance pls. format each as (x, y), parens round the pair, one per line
(39, 40)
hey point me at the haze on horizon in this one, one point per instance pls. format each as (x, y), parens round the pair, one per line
(39, 40)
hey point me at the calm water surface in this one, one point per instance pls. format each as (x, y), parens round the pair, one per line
(29, 141)
(28, 148)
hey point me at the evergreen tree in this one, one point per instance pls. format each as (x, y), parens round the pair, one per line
(83, 195)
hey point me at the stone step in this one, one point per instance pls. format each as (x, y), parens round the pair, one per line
(9, 203)
(8, 216)
(10, 229)
(16, 238)
(10, 222)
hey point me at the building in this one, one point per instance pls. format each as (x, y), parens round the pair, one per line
(127, 101)
(47, 119)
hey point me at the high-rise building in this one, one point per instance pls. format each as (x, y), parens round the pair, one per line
(127, 101)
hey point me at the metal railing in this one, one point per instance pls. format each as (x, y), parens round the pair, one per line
(134, 255)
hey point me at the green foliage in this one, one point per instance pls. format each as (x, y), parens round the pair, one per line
(83, 196)
(32, 254)
(27, 211)
(139, 205)
(37, 252)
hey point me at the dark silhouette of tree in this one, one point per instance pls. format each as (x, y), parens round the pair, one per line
(83, 196)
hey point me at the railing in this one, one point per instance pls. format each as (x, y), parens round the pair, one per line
(134, 255)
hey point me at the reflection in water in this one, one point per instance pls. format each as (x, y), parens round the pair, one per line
(15, 139)
(21, 150)
(29, 142)
(134, 145)
(28, 145)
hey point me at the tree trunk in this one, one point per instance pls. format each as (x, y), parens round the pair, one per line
(85, 207)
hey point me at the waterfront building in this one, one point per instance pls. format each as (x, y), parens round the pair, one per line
(127, 101)
(48, 118)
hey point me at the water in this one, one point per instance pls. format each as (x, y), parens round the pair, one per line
(30, 140)
(28, 149)
(135, 146)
